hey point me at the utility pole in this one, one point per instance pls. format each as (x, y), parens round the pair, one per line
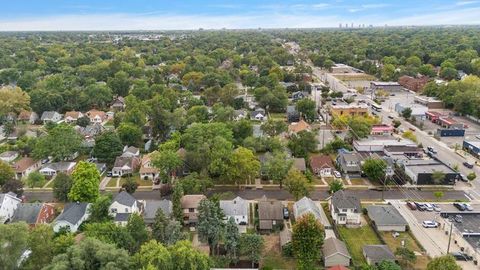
(450, 237)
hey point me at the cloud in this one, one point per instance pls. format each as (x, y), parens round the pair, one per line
(464, 3)
(367, 7)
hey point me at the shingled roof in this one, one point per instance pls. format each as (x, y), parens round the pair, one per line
(124, 198)
(342, 200)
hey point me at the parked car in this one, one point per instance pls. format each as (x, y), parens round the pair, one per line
(459, 206)
(429, 207)
(286, 214)
(109, 174)
(429, 224)
(468, 207)
(412, 129)
(468, 165)
(458, 218)
(421, 206)
(337, 174)
(411, 205)
(436, 208)
(463, 178)
(431, 149)
(391, 117)
(460, 256)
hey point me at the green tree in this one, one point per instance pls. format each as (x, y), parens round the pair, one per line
(120, 83)
(407, 257)
(335, 186)
(251, 245)
(297, 184)
(61, 187)
(186, 257)
(86, 179)
(167, 161)
(92, 254)
(108, 232)
(375, 169)
(446, 262)
(107, 147)
(40, 243)
(13, 100)
(274, 127)
(243, 166)
(277, 167)
(165, 230)
(130, 134)
(35, 179)
(99, 210)
(176, 203)
(396, 123)
(153, 255)
(232, 239)
(13, 242)
(438, 177)
(137, 229)
(6, 172)
(307, 108)
(13, 185)
(130, 185)
(410, 135)
(195, 183)
(307, 240)
(62, 242)
(407, 113)
(61, 143)
(471, 176)
(83, 121)
(210, 223)
(302, 143)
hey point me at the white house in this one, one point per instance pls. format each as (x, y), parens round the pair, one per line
(73, 215)
(25, 166)
(258, 114)
(96, 116)
(236, 209)
(8, 156)
(8, 204)
(345, 208)
(147, 170)
(124, 166)
(123, 206)
(51, 116)
(52, 169)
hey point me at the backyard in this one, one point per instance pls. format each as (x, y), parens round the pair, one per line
(356, 238)
(410, 243)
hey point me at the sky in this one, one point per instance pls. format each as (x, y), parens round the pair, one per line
(68, 15)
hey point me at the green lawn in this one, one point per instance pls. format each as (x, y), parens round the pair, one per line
(50, 185)
(112, 182)
(275, 261)
(356, 238)
(139, 181)
(278, 116)
(357, 181)
(410, 243)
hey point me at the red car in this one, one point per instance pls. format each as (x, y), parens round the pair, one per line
(411, 205)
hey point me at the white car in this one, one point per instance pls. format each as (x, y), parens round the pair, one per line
(429, 224)
(337, 174)
(468, 207)
(436, 208)
(429, 207)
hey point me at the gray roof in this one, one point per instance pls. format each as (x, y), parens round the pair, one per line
(27, 212)
(305, 206)
(385, 215)
(151, 207)
(48, 115)
(291, 109)
(299, 164)
(377, 253)
(235, 207)
(124, 198)
(342, 200)
(58, 166)
(285, 237)
(120, 217)
(122, 161)
(332, 246)
(8, 154)
(270, 210)
(73, 212)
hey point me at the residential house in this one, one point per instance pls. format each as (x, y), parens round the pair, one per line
(25, 166)
(101, 167)
(374, 254)
(52, 169)
(292, 114)
(118, 104)
(350, 163)
(190, 205)
(51, 116)
(264, 158)
(72, 116)
(337, 267)
(387, 218)
(96, 116)
(73, 215)
(297, 127)
(299, 164)
(322, 165)
(28, 117)
(349, 109)
(415, 84)
(299, 95)
(125, 166)
(335, 252)
(152, 206)
(131, 151)
(8, 204)
(270, 214)
(258, 114)
(285, 237)
(236, 209)
(34, 213)
(421, 172)
(239, 114)
(147, 170)
(8, 156)
(122, 206)
(90, 131)
(345, 208)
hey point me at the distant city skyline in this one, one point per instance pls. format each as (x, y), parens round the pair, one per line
(52, 15)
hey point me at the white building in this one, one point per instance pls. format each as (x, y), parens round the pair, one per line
(8, 204)
(236, 209)
(345, 208)
(73, 215)
(123, 206)
(378, 143)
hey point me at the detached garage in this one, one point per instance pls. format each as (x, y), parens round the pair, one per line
(387, 218)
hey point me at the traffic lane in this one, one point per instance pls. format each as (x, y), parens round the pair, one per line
(282, 194)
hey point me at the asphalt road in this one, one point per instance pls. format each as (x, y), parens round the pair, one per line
(319, 194)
